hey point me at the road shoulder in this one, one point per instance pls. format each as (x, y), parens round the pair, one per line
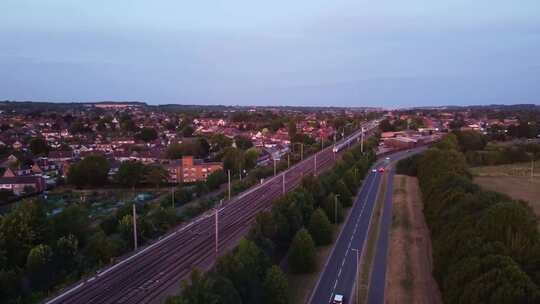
(409, 268)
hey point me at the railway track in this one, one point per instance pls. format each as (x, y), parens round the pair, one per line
(146, 276)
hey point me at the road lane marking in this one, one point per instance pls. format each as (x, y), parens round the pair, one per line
(354, 232)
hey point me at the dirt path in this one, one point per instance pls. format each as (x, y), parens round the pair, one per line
(409, 278)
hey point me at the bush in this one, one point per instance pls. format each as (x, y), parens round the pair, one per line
(330, 207)
(215, 179)
(302, 253)
(91, 171)
(409, 165)
(320, 228)
(485, 245)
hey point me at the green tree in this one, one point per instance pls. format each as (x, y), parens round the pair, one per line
(72, 220)
(250, 158)
(24, 227)
(386, 126)
(66, 251)
(101, 249)
(127, 125)
(215, 179)
(187, 131)
(263, 232)
(9, 280)
(513, 225)
(219, 142)
(313, 186)
(275, 286)
(292, 129)
(448, 142)
(188, 147)
(91, 171)
(246, 267)
(345, 196)
(147, 134)
(198, 290)
(125, 226)
(233, 159)
(243, 142)
(329, 205)
(38, 146)
(302, 253)
(320, 228)
(130, 173)
(38, 265)
(224, 290)
(470, 140)
(350, 178)
(156, 175)
(505, 284)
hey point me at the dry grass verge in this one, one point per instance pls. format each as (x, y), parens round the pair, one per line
(409, 278)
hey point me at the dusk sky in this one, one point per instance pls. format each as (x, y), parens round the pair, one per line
(303, 52)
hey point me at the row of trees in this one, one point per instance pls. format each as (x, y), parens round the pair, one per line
(414, 123)
(39, 251)
(486, 246)
(93, 171)
(297, 223)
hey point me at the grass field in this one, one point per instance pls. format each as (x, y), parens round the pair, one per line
(517, 169)
(513, 180)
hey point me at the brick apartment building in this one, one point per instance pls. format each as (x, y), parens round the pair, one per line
(190, 170)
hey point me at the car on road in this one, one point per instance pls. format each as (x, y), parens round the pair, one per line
(387, 158)
(374, 170)
(381, 169)
(338, 299)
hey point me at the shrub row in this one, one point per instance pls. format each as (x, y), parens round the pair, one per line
(486, 246)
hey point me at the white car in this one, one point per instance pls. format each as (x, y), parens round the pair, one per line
(374, 170)
(338, 299)
(388, 158)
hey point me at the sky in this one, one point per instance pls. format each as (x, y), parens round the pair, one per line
(247, 52)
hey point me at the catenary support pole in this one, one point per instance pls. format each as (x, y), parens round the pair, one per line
(134, 227)
(172, 195)
(229, 176)
(283, 182)
(217, 230)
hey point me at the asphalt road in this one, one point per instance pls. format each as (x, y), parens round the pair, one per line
(155, 271)
(339, 273)
(378, 272)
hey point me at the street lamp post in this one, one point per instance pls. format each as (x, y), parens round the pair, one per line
(315, 165)
(283, 182)
(172, 194)
(288, 160)
(229, 177)
(335, 207)
(532, 168)
(134, 227)
(362, 140)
